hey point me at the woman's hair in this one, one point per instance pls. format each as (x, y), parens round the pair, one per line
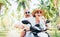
(36, 11)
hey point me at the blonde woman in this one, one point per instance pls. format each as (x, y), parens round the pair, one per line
(40, 23)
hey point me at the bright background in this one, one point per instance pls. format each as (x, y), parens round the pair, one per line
(11, 11)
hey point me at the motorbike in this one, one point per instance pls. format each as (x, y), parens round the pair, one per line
(36, 30)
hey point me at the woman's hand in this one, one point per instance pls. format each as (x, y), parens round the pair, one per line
(37, 20)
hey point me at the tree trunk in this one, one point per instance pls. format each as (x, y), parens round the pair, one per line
(59, 11)
(0, 7)
(55, 3)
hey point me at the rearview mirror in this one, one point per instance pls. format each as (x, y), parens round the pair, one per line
(26, 22)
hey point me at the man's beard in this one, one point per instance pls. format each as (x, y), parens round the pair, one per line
(27, 15)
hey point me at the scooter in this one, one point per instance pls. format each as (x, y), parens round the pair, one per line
(37, 32)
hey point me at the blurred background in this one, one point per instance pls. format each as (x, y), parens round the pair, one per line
(12, 11)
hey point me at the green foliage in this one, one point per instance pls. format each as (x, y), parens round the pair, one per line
(49, 9)
(21, 4)
(50, 12)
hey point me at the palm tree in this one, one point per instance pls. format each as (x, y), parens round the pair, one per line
(59, 6)
(49, 8)
(57, 3)
(0, 5)
(22, 4)
(3, 3)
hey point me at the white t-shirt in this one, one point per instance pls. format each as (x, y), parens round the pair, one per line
(42, 22)
(29, 19)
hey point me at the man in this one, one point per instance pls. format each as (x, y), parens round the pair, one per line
(27, 16)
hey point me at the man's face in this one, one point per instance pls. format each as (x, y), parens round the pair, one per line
(27, 13)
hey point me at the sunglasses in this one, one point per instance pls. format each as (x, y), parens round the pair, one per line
(27, 12)
(38, 12)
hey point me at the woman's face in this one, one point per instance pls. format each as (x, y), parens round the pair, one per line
(38, 14)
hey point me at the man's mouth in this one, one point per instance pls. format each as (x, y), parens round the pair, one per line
(27, 15)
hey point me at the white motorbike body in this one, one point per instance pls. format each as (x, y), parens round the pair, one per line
(42, 34)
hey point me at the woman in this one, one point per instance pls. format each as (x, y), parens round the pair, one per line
(40, 22)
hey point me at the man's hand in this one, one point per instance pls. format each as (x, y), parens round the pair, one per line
(27, 28)
(22, 33)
